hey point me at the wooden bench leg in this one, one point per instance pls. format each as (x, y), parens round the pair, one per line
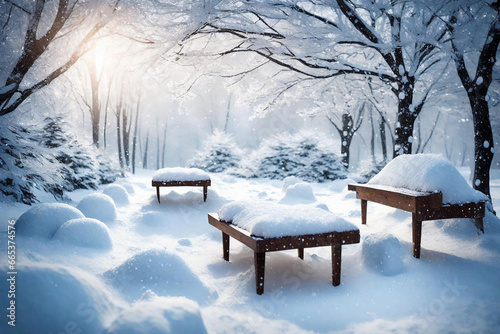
(260, 265)
(336, 263)
(479, 224)
(417, 235)
(205, 193)
(225, 246)
(364, 205)
(301, 253)
(158, 193)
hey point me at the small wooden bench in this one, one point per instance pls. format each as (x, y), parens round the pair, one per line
(261, 245)
(201, 183)
(422, 205)
(181, 177)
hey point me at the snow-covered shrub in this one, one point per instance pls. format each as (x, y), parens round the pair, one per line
(98, 206)
(43, 220)
(305, 155)
(59, 299)
(152, 314)
(118, 193)
(166, 274)
(47, 159)
(368, 170)
(218, 154)
(84, 232)
(26, 167)
(78, 167)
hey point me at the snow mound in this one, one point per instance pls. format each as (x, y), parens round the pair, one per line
(272, 220)
(428, 173)
(298, 193)
(55, 299)
(153, 218)
(43, 220)
(159, 315)
(383, 253)
(85, 232)
(125, 183)
(118, 193)
(288, 181)
(164, 273)
(180, 174)
(98, 206)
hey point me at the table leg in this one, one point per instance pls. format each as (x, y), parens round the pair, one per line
(364, 205)
(205, 193)
(225, 246)
(158, 193)
(260, 265)
(479, 224)
(301, 253)
(417, 235)
(336, 263)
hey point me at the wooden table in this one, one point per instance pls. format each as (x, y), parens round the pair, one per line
(200, 183)
(261, 245)
(422, 205)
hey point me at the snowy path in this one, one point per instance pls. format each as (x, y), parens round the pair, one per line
(453, 287)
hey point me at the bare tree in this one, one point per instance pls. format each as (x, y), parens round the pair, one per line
(395, 42)
(477, 85)
(346, 130)
(69, 16)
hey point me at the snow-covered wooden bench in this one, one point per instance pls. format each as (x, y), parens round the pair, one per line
(422, 205)
(268, 227)
(181, 177)
(426, 185)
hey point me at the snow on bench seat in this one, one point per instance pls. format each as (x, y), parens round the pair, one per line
(269, 227)
(181, 177)
(429, 173)
(180, 174)
(273, 220)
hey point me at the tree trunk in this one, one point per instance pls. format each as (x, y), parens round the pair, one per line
(346, 137)
(134, 139)
(126, 137)
(405, 118)
(164, 149)
(383, 139)
(119, 138)
(95, 110)
(372, 139)
(145, 159)
(483, 142)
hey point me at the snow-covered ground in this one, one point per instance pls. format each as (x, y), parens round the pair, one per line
(172, 251)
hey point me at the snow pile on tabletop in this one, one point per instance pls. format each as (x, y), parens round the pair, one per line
(298, 193)
(43, 220)
(428, 173)
(273, 220)
(85, 232)
(118, 193)
(98, 206)
(164, 273)
(383, 253)
(180, 174)
(159, 315)
(56, 299)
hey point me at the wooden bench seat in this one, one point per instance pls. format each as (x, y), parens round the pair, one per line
(422, 205)
(262, 245)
